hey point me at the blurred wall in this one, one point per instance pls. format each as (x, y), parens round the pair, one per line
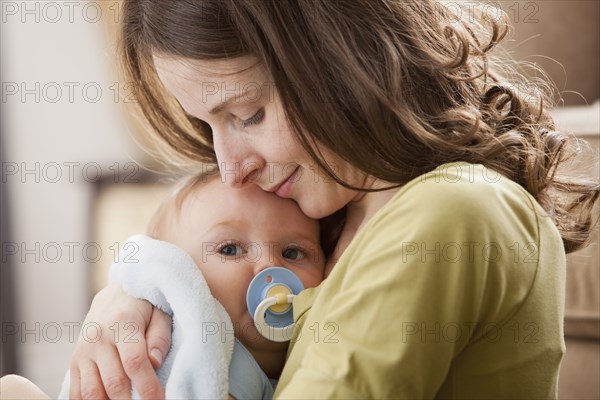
(563, 37)
(8, 359)
(63, 131)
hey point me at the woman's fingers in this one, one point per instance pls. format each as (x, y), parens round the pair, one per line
(115, 380)
(75, 383)
(91, 383)
(136, 362)
(158, 337)
(117, 357)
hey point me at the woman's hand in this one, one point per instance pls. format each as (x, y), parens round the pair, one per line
(123, 340)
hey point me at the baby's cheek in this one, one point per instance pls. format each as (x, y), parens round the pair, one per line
(234, 302)
(312, 278)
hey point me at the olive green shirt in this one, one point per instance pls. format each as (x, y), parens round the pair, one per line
(454, 289)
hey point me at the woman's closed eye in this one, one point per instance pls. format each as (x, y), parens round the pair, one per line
(293, 253)
(254, 120)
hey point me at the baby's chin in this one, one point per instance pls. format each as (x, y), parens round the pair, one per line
(248, 334)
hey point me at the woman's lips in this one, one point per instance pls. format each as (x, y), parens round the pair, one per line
(285, 189)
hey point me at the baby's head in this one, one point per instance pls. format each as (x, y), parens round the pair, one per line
(232, 235)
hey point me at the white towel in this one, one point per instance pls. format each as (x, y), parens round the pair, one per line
(197, 364)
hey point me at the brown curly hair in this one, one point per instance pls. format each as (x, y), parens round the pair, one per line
(396, 88)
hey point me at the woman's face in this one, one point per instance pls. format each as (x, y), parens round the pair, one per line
(252, 138)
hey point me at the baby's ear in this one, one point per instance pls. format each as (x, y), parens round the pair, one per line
(330, 230)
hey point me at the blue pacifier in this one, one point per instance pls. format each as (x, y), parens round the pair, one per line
(269, 299)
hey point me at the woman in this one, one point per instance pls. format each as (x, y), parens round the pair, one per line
(448, 276)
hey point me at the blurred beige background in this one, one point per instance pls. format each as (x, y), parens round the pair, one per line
(562, 36)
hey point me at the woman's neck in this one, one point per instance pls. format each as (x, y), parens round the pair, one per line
(359, 212)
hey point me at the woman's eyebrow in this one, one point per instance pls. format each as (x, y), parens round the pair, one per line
(224, 104)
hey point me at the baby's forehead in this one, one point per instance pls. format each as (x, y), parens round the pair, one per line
(207, 192)
(206, 208)
(249, 202)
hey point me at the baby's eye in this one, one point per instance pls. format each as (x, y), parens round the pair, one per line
(231, 250)
(293, 253)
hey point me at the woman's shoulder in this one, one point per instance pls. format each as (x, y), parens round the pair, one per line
(461, 193)
(462, 182)
(461, 230)
(465, 205)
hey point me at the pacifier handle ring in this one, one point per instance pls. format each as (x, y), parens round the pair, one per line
(274, 334)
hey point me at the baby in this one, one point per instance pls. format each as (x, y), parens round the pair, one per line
(232, 235)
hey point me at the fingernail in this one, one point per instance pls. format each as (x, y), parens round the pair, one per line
(157, 355)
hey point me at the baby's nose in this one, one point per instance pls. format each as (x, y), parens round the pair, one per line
(260, 266)
(269, 256)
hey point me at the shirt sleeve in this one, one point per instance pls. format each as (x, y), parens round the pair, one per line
(246, 379)
(414, 289)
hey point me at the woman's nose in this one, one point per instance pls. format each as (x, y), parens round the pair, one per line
(238, 163)
(239, 173)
